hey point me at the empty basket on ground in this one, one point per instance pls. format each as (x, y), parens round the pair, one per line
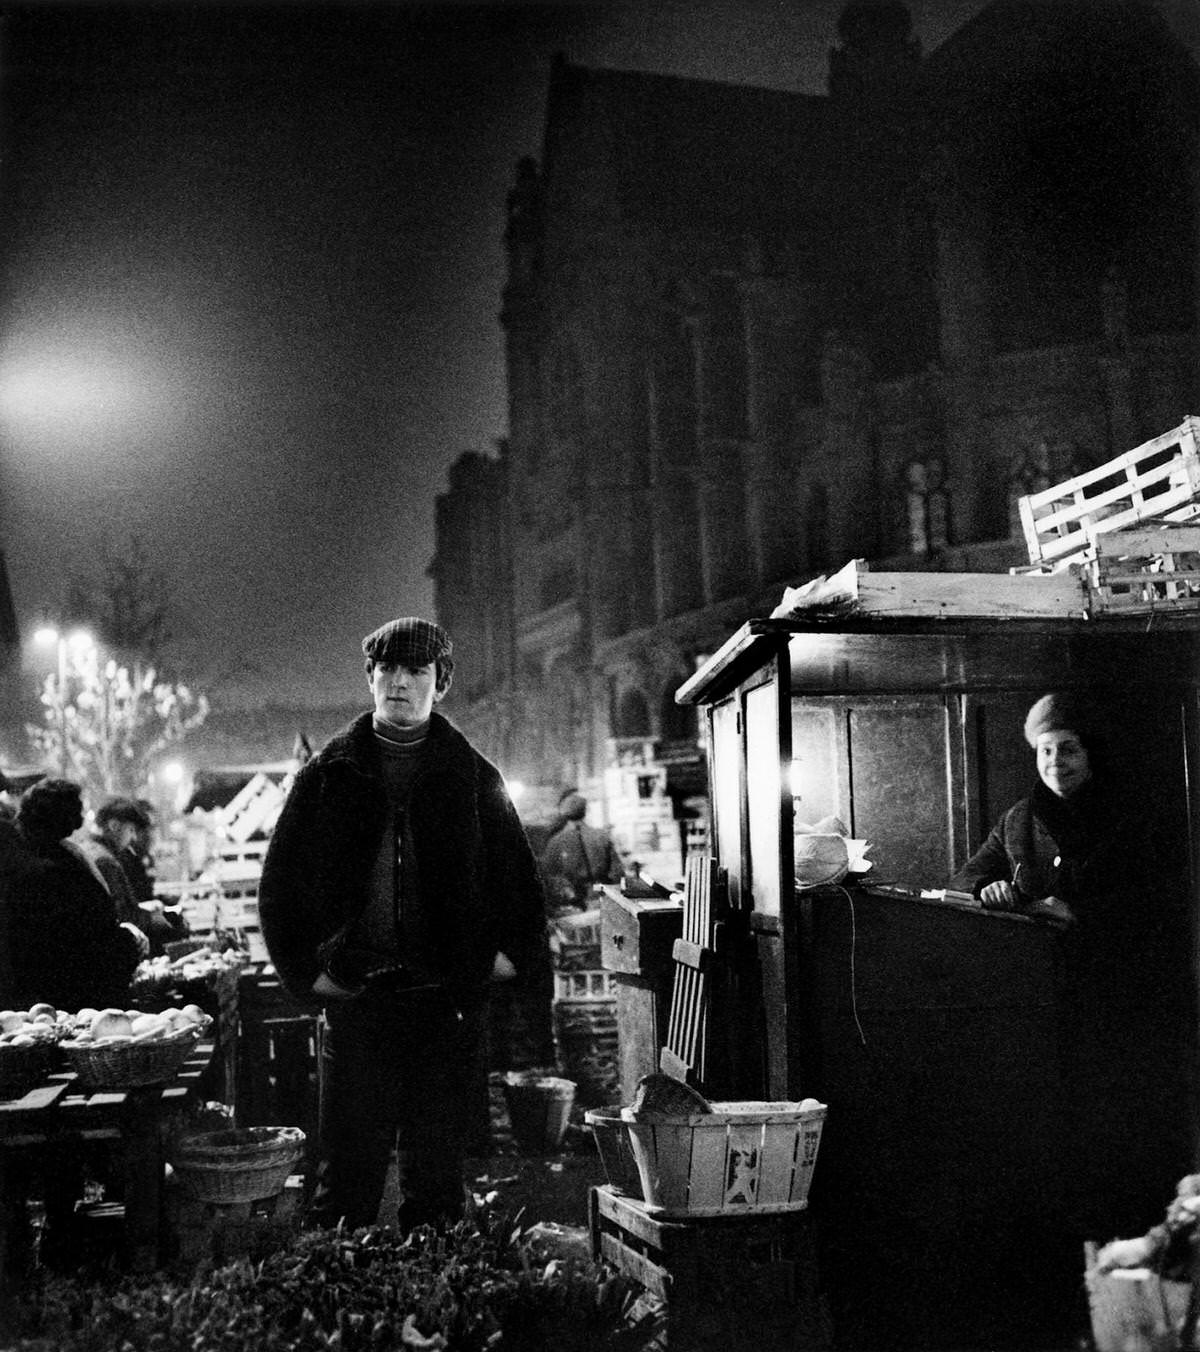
(133, 1065)
(740, 1158)
(238, 1165)
(539, 1107)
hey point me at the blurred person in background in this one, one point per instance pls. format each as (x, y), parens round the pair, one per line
(121, 827)
(576, 856)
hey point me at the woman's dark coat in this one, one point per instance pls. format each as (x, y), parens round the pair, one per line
(1125, 1008)
(477, 875)
(59, 938)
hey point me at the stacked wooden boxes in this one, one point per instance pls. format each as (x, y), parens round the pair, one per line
(637, 936)
(277, 1071)
(1159, 480)
(585, 1010)
(724, 1282)
(1126, 527)
(1147, 569)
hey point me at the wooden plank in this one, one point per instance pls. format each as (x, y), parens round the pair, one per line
(983, 595)
(1147, 542)
(635, 1265)
(688, 953)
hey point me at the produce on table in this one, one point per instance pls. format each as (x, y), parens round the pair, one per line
(157, 977)
(29, 1027)
(105, 1027)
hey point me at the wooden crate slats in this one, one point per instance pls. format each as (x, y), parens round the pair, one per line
(686, 1052)
(1137, 571)
(1061, 521)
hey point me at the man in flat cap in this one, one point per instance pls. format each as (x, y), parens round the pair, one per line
(397, 884)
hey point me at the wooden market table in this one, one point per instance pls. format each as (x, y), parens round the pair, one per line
(138, 1122)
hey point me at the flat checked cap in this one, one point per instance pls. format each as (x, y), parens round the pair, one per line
(411, 642)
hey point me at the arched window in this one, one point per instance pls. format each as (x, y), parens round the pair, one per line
(673, 395)
(927, 507)
(1028, 472)
(816, 529)
(632, 715)
(726, 366)
(677, 722)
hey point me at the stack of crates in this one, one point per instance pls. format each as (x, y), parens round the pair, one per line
(585, 1010)
(277, 1069)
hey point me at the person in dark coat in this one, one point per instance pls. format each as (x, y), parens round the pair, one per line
(1081, 854)
(60, 939)
(113, 847)
(577, 855)
(397, 884)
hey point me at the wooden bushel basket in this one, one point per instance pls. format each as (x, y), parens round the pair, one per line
(742, 1158)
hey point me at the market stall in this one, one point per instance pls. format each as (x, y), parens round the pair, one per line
(925, 1022)
(62, 1110)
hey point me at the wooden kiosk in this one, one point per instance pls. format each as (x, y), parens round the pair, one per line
(927, 1026)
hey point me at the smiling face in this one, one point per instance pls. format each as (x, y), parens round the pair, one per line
(404, 696)
(1062, 761)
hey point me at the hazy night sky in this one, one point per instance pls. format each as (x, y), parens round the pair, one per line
(252, 264)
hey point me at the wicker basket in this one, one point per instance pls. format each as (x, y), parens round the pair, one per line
(132, 1065)
(21, 1068)
(241, 1165)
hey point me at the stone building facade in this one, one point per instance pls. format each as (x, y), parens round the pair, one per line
(753, 334)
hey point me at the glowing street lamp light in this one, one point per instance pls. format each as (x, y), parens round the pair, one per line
(78, 640)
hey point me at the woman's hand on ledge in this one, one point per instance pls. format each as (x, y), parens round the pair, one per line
(999, 896)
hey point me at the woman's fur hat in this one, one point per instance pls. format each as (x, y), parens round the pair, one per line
(1064, 713)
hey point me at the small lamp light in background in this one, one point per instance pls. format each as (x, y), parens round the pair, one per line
(172, 773)
(78, 641)
(516, 790)
(174, 777)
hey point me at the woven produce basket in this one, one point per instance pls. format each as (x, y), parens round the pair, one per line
(21, 1068)
(238, 1165)
(132, 1065)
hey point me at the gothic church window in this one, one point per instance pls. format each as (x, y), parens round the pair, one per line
(726, 366)
(927, 507)
(632, 715)
(673, 394)
(816, 529)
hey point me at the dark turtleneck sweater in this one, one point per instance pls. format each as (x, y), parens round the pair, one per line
(392, 926)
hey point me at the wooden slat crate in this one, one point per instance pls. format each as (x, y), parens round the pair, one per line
(277, 1070)
(1139, 571)
(1160, 478)
(585, 1037)
(726, 1283)
(584, 985)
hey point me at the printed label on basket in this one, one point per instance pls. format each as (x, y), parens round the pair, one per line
(742, 1165)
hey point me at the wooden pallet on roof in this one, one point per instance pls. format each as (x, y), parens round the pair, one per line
(1144, 570)
(1160, 478)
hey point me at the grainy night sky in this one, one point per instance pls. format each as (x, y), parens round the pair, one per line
(251, 269)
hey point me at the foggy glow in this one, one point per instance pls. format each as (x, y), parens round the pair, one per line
(66, 393)
(516, 789)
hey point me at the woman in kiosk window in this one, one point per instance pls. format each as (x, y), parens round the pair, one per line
(1082, 854)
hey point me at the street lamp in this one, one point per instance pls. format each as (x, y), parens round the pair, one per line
(77, 641)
